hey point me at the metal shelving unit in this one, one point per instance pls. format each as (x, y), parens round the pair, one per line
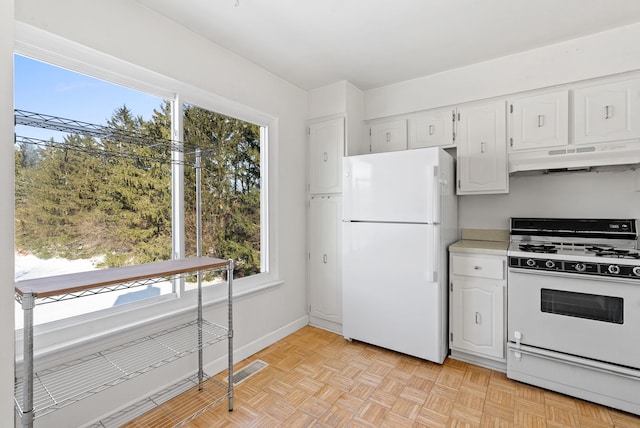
(51, 389)
(48, 390)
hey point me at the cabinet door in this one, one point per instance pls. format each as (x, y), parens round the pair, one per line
(608, 112)
(389, 136)
(431, 129)
(482, 149)
(326, 145)
(477, 321)
(540, 121)
(325, 274)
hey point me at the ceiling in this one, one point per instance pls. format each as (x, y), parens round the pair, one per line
(372, 43)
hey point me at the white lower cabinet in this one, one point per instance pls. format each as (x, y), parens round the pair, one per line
(325, 261)
(477, 305)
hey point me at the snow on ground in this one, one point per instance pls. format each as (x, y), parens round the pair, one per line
(29, 267)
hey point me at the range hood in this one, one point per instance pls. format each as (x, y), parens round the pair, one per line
(576, 157)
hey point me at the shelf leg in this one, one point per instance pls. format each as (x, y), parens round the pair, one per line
(28, 302)
(200, 356)
(230, 339)
(198, 168)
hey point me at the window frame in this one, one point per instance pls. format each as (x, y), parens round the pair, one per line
(179, 201)
(60, 335)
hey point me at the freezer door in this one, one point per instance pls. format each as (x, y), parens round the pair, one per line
(399, 186)
(393, 295)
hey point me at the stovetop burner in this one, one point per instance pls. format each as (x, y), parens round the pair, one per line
(539, 248)
(620, 253)
(606, 247)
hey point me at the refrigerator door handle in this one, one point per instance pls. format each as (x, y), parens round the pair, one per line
(431, 271)
(434, 186)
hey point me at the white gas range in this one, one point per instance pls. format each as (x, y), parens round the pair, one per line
(574, 308)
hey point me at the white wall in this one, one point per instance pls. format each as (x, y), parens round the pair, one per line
(127, 30)
(601, 54)
(593, 194)
(6, 211)
(328, 100)
(341, 98)
(608, 193)
(355, 126)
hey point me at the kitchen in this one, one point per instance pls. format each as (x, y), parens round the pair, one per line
(612, 191)
(563, 181)
(541, 183)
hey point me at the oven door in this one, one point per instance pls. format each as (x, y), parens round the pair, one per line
(579, 315)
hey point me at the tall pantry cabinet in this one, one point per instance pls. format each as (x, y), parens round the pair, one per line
(326, 148)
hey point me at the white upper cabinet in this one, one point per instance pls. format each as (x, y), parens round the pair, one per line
(482, 149)
(388, 136)
(326, 146)
(539, 121)
(432, 128)
(609, 112)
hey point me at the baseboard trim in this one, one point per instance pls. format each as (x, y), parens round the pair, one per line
(326, 325)
(239, 354)
(488, 363)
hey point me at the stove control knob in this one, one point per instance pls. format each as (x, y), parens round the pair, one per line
(614, 269)
(636, 271)
(531, 262)
(550, 264)
(581, 267)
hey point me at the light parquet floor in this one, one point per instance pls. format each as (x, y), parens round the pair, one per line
(317, 379)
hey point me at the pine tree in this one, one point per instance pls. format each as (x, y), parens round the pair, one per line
(230, 187)
(138, 192)
(56, 194)
(84, 197)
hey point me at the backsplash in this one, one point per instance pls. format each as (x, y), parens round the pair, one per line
(494, 235)
(600, 193)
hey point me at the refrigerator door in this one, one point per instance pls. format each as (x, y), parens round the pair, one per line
(399, 186)
(390, 296)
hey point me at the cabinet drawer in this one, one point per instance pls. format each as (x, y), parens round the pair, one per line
(482, 267)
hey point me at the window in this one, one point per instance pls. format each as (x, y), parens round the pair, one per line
(95, 167)
(229, 160)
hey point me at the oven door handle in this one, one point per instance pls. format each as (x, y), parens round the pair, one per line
(574, 360)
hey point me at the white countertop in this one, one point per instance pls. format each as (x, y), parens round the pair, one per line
(498, 248)
(482, 241)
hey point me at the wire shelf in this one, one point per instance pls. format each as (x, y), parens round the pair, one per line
(72, 126)
(155, 411)
(81, 284)
(162, 148)
(68, 383)
(157, 157)
(106, 289)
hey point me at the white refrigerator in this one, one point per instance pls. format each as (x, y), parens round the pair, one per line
(399, 217)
